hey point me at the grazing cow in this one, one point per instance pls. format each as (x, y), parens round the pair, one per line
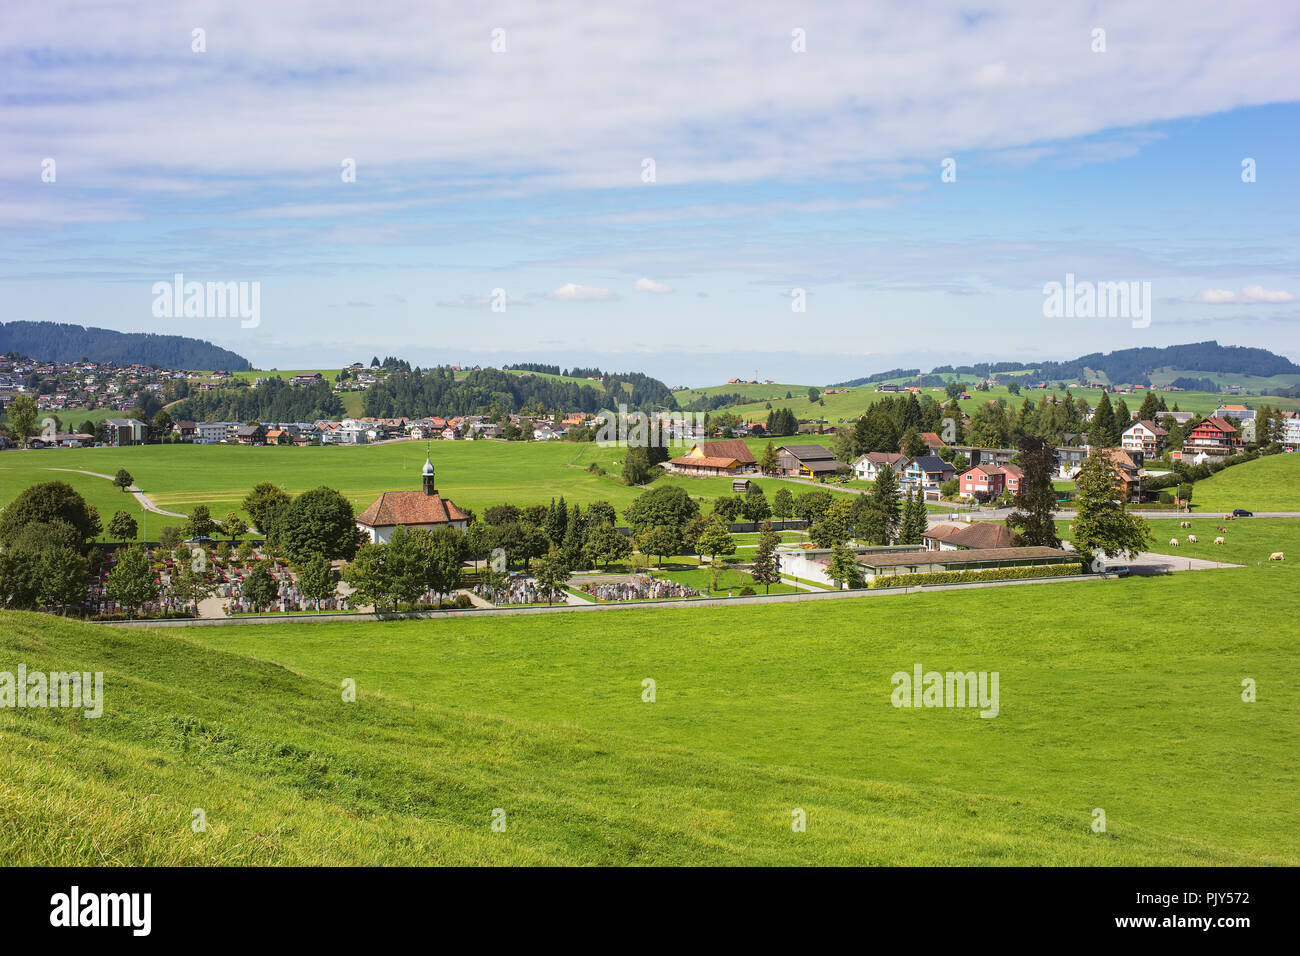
(1191, 539)
(1071, 527)
(1277, 556)
(1218, 540)
(1173, 542)
(1185, 524)
(1222, 528)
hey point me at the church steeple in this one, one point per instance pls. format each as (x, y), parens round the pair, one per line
(427, 475)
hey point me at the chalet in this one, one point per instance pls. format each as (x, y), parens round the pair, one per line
(868, 466)
(250, 434)
(1215, 437)
(987, 456)
(185, 430)
(728, 457)
(279, 436)
(807, 461)
(1145, 437)
(411, 509)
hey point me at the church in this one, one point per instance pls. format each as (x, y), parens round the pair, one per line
(411, 509)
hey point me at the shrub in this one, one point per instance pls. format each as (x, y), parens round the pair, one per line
(964, 577)
(747, 590)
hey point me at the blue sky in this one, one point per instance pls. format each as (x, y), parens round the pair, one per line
(522, 170)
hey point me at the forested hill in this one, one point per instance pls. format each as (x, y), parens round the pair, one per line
(436, 391)
(1134, 366)
(1125, 366)
(60, 342)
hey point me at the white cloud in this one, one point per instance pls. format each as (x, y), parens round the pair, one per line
(479, 300)
(569, 292)
(1250, 295)
(650, 285)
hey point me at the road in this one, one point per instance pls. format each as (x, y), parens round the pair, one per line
(140, 496)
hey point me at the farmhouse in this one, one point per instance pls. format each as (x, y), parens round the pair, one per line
(715, 458)
(410, 509)
(124, 431)
(807, 461)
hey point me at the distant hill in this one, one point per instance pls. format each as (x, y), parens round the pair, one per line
(1133, 366)
(60, 342)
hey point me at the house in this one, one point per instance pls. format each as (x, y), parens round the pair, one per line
(807, 461)
(279, 436)
(728, 457)
(1145, 437)
(987, 456)
(250, 434)
(1128, 473)
(1215, 437)
(186, 430)
(1291, 428)
(932, 441)
(1069, 459)
(982, 482)
(213, 433)
(411, 509)
(868, 466)
(124, 431)
(925, 473)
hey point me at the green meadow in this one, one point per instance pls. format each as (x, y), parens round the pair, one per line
(1265, 484)
(759, 710)
(474, 474)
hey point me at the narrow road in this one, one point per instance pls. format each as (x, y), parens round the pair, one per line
(140, 496)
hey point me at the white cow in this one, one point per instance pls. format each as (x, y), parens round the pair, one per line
(1191, 539)
(1218, 540)
(1173, 542)
(1277, 556)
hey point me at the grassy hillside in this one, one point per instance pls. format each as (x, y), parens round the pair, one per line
(1271, 483)
(759, 711)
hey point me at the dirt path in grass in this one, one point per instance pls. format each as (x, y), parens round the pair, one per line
(140, 496)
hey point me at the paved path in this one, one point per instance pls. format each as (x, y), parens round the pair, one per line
(140, 496)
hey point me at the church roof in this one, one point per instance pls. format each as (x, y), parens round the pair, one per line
(394, 508)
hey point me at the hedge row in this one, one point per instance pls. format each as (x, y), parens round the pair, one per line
(963, 577)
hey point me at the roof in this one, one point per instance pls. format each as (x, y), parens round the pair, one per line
(704, 461)
(961, 557)
(930, 438)
(944, 531)
(882, 457)
(1150, 426)
(731, 448)
(984, 535)
(822, 465)
(932, 463)
(394, 508)
(1219, 423)
(806, 453)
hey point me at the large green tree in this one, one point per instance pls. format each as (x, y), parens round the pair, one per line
(263, 503)
(51, 502)
(131, 582)
(669, 505)
(23, 414)
(319, 522)
(1102, 525)
(1034, 518)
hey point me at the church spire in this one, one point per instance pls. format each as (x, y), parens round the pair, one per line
(426, 473)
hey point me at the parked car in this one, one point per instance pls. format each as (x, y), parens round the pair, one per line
(1242, 513)
(1122, 570)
